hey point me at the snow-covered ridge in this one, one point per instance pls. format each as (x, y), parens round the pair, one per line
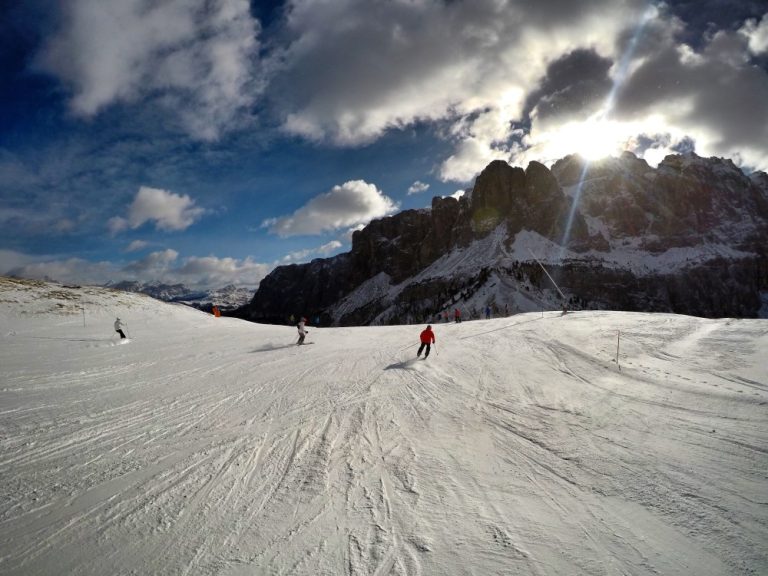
(226, 298)
(687, 237)
(216, 446)
(35, 297)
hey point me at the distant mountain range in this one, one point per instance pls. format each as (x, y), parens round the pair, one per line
(227, 298)
(690, 237)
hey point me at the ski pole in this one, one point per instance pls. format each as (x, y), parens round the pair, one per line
(437, 352)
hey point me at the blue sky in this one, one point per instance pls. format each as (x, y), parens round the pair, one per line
(207, 141)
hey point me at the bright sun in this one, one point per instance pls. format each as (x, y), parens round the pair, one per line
(593, 138)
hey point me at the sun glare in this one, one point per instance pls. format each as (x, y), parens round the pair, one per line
(591, 139)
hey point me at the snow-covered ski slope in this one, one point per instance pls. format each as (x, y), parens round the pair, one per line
(215, 446)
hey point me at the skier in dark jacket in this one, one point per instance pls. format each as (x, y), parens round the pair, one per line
(302, 331)
(427, 338)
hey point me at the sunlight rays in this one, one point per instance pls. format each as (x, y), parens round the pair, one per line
(600, 137)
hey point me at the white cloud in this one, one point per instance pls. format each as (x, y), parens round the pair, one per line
(67, 271)
(347, 71)
(352, 69)
(155, 263)
(160, 266)
(356, 68)
(348, 233)
(137, 245)
(417, 187)
(302, 255)
(329, 247)
(472, 155)
(672, 91)
(168, 211)
(217, 272)
(117, 224)
(350, 204)
(655, 155)
(666, 95)
(757, 35)
(10, 259)
(195, 55)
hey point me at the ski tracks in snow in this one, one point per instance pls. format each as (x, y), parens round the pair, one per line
(517, 449)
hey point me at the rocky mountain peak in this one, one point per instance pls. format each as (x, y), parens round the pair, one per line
(760, 179)
(494, 194)
(689, 236)
(530, 198)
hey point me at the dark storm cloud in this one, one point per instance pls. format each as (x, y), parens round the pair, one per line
(703, 17)
(577, 83)
(715, 91)
(352, 69)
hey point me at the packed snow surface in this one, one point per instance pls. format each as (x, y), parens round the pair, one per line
(215, 446)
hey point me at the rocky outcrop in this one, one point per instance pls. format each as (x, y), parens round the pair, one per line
(494, 195)
(689, 236)
(300, 289)
(529, 199)
(760, 179)
(687, 200)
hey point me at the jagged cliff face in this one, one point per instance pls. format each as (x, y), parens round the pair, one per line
(300, 289)
(684, 202)
(530, 199)
(689, 236)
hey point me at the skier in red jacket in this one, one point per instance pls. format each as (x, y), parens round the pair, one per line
(427, 337)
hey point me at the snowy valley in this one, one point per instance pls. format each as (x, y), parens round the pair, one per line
(208, 445)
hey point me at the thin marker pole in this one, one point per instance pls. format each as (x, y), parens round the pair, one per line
(547, 273)
(618, 336)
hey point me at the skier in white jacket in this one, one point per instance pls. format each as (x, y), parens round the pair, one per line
(119, 328)
(302, 331)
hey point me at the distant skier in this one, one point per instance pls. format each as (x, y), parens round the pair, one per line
(119, 328)
(302, 331)
(427, 338)
(457, 315)
(487, 312)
